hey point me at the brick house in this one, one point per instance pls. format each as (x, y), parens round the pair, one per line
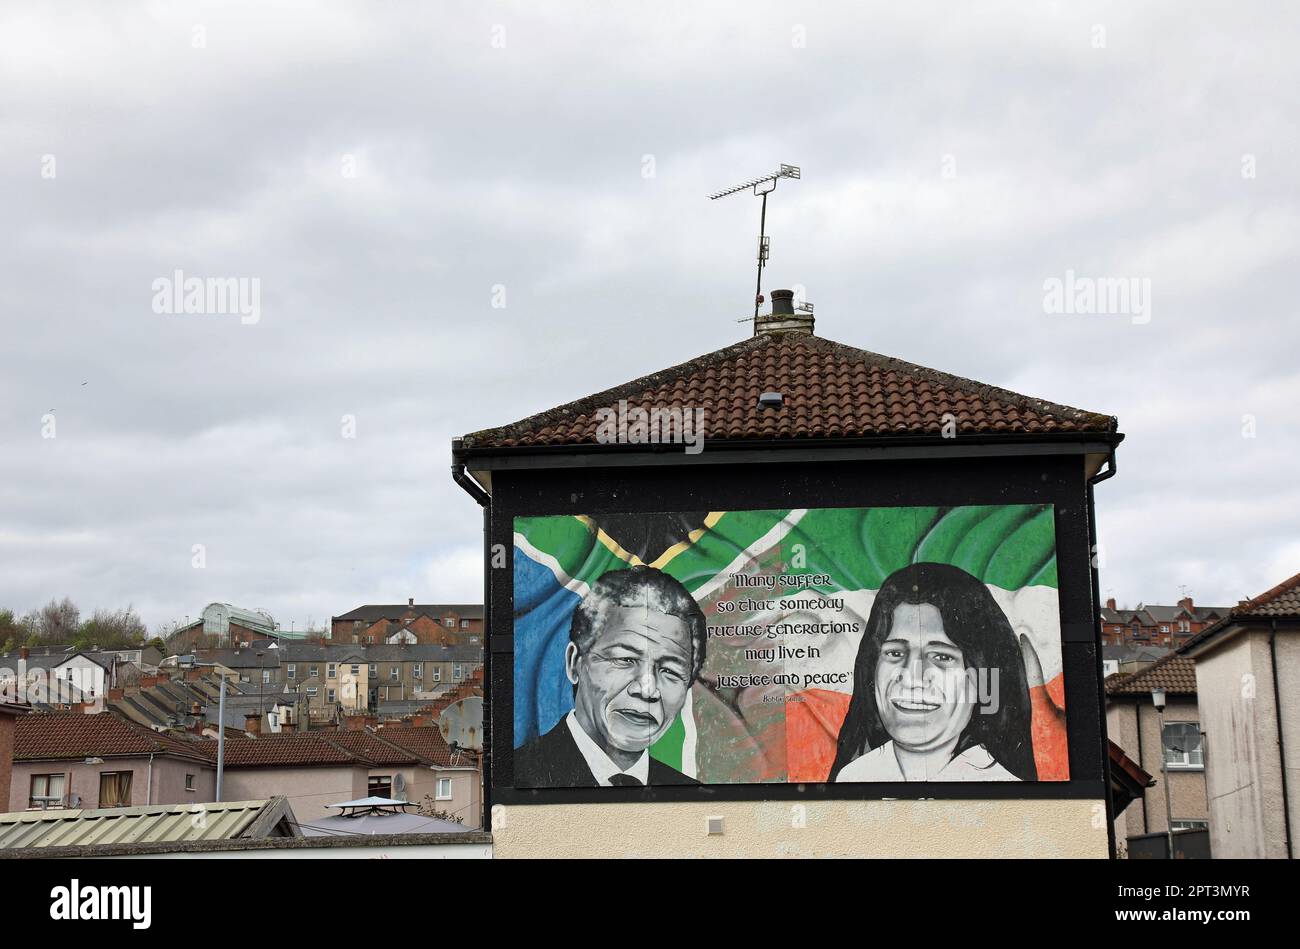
(447, 624)
(1152, 625)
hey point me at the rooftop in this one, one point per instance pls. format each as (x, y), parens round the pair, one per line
(149, 824)
(1174, 673)
(372, 612)
(66, 736)
(830, 391)
(1282, 602)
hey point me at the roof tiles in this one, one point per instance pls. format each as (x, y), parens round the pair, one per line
(830, 391)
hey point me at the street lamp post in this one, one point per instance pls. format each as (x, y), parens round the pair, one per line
(1158, 700)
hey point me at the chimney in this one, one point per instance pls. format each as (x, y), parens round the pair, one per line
(410, 601)
(22, 652)
(1110, 604)
(784, 318)
(1186, 603)
(253, 723)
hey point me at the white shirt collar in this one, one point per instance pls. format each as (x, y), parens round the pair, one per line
(602, 769)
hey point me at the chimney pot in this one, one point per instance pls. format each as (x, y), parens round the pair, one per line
(1110, 604)
(410, 601)
(784, 318)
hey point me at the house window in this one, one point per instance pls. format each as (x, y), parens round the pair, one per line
(291, 671)
(1191, 825)
(457, 672)
(331, 670)
(381, 785)
(370, 639)
(311, 690)
(266, 676)
(189, 782)
(449, 622)
(464, 624)
(437, 673)
(356, 669)
(1182, 741)
(374, 670)
(329, 696)
(444, 789)
(394, 672)
(315, 671)
(417, 670)
(1184, 626)
(47, 790)
(115, 788)
(1164, 629)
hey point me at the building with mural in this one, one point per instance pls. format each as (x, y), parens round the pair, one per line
(794, 598)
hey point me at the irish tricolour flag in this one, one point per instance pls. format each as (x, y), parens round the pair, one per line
(735, 731)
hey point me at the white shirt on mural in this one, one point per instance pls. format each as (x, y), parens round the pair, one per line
(602, 769)
(881, 764)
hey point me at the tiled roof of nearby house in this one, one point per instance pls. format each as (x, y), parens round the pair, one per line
(62, 736)
(298, 749)
(1281, 602)
(424, 740)
(1175, 674)
(830, 391)
(373, 748)
(373, 612)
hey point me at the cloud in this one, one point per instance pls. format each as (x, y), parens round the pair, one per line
(384, 170)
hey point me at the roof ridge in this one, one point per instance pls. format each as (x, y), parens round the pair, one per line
(1244, 609)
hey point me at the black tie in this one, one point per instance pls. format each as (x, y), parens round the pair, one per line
(625, 781)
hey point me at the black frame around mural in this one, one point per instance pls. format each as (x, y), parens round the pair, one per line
(572, 486)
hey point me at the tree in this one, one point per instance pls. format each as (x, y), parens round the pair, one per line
(111, 629)
(55, 622)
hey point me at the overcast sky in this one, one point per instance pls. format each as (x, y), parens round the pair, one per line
(383, 169)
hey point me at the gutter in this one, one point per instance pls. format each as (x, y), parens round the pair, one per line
(1111, 468)
(1281, 739)
(484, 500)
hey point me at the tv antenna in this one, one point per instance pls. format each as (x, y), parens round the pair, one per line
(762, 186)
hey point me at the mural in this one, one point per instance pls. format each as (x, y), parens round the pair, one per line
(820, 645)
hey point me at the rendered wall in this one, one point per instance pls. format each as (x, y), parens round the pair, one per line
(965, 829)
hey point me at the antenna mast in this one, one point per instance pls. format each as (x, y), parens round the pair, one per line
(785, 171)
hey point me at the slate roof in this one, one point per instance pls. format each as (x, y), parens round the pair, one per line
(65, 736)
(830, 391)
(372, 612)
(1174, 673)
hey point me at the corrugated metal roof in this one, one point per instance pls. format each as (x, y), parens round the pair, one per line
(159, 823)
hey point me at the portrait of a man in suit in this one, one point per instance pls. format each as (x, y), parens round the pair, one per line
(636, 644)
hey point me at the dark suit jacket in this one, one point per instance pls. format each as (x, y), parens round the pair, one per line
(554, 761)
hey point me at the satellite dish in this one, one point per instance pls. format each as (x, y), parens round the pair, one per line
(461, 723)
(399, 787)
